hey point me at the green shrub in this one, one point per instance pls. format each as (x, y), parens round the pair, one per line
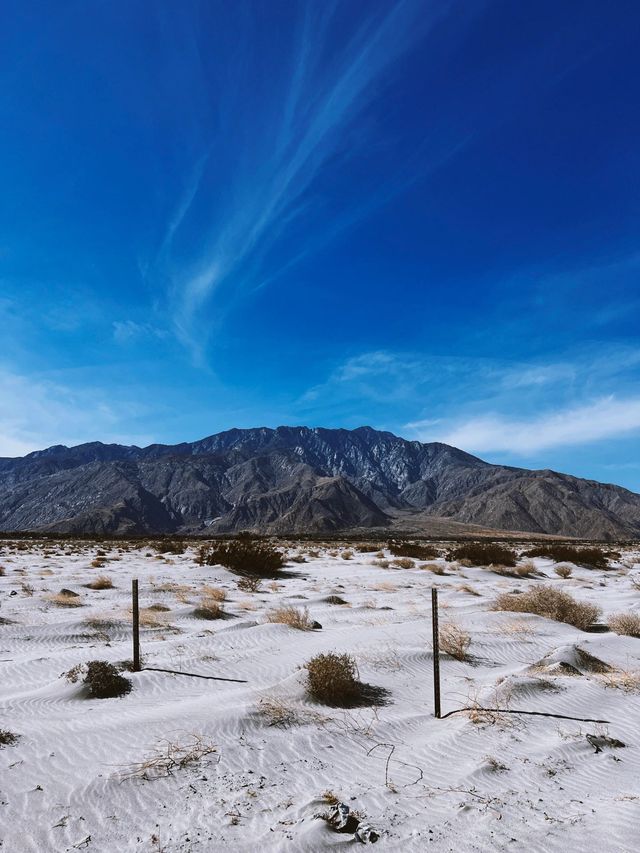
(104, 681)
(594, 558)
(484, 554)
(411, 549)
(244, 557)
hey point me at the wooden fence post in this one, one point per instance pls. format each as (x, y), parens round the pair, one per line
(136, 625)
(436, 651)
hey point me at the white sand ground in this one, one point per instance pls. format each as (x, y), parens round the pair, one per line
(507, 783)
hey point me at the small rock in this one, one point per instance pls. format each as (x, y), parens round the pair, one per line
(316, 626)
(69, 593)
(599, 742)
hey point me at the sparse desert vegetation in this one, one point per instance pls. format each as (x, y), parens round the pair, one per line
(483, 554)
(350, 706)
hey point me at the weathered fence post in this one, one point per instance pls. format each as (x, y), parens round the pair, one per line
(136, 625)
(436, 651)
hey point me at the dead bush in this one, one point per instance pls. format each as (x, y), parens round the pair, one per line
(436, 568)
(526, 569)
(294, 617)
(209, 608)
(402, 563)
(551, 603)
(168, 756)
(101, 582)
(563, 571)
(214, 592)
(347, 555)
(63, 599)
(245, 557)
(454, 640)
(484, 554)
(250, 583)
(335, 599)
(627, 624)
(594, 558)
(332, 679)
(278, 713)
(8, 738)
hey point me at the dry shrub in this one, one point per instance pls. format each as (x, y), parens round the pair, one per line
(276, 712)
(594, 558)
(8, 738)
(347, 555)
(168, 756)
(149, 618)
(411, 549)
(526, 569)
(484, 555)
(245, 557)
(63, 599)
(332, 679)
(101, 582)
(335, 599)
(403, 563)
(250, 583)
(158, 608)
(170, 586)
(635, 581)
(563, 570)
(2, 571)
(382, 564)
(625, 680)
(294, 617)
(98, 563)
(454, 640)
(627, 624)
(209, 608)
(214, 592)
(551, 603)
(436, 568)
(465, 587)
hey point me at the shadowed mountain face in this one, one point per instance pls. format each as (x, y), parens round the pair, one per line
(297, 480)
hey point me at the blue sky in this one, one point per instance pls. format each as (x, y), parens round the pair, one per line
(421, 216)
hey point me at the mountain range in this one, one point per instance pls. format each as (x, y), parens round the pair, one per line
(300, 480)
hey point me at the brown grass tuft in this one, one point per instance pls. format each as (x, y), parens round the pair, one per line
(551, 603)
(101, 582)
(454, 641)
(294, 617)
(63, 600)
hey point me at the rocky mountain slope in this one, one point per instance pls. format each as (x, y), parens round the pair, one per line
(294, 480)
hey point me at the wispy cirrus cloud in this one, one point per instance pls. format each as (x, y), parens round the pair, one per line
(300, 133)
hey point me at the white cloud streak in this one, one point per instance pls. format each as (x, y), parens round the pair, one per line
(36, 413)
(601, 419)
